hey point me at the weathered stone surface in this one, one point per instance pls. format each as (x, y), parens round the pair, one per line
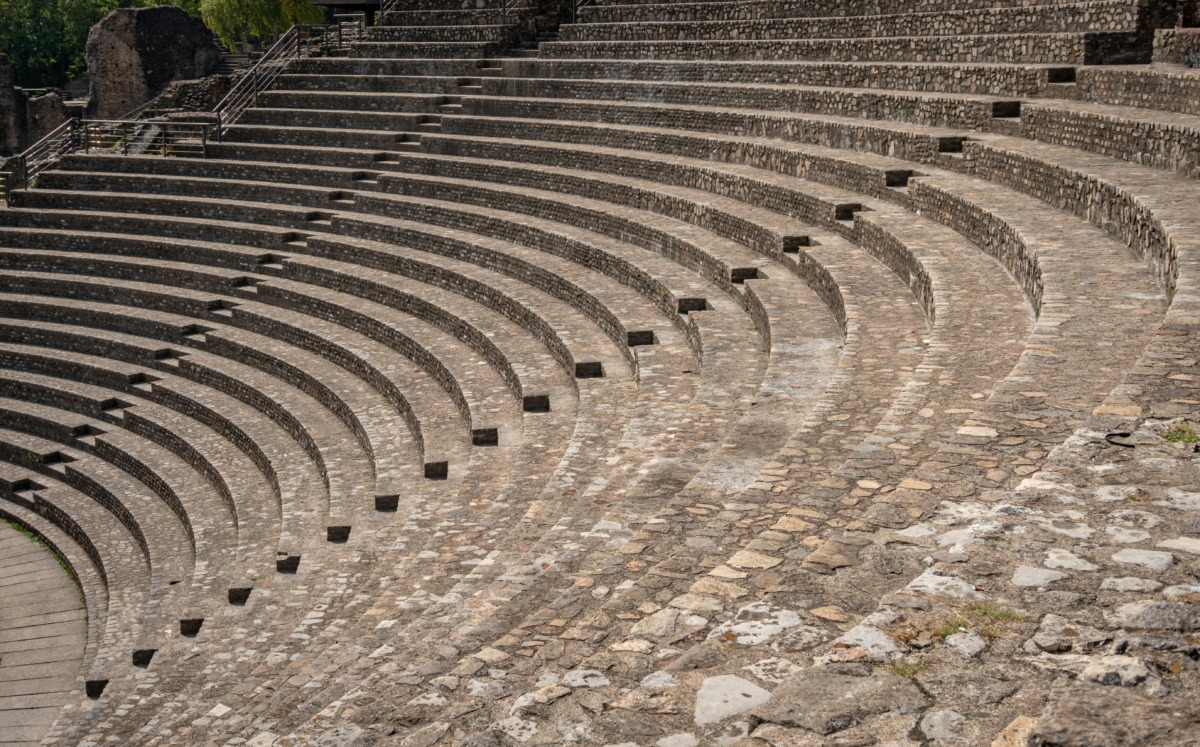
(1125, 671)
(942, 726)
(1097, 716)
(755, 624)
(826, 702)
(132, 54)
(1164, 616)
(727, 695)
(1058, 635)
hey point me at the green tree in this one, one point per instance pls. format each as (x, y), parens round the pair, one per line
(45, 39)
(246, 20)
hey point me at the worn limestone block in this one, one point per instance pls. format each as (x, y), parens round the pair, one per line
(132, 54)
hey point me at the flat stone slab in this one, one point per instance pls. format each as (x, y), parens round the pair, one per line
(826, 702)
(43, 630)
(725, 696)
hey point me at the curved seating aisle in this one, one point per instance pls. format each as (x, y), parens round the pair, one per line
(43, 632)
(653, 390)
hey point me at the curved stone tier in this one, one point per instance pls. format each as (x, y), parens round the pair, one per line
(755, 372)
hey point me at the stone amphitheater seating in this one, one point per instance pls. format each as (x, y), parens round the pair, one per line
(726, 369)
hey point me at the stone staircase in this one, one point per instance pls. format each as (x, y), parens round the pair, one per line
(748, 373)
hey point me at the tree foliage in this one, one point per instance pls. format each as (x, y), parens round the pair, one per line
(245, 20)
(45, 39)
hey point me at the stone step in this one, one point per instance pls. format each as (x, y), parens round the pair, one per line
(1162, 140)
(110, 547)
(207, 522)
(456, 17)
(418, 50)
(498, 34)
(235, 477)
(1090, 16)
(1166, 88)
(357, 66)
(821, 8)
(1082, 48)
(551, 99)
(1105, 16)
(345, 466)
(989, 79)
(377, 83)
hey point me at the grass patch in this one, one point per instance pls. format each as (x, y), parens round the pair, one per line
(951, 627)
(902, 669)
(1182, 433)
(992, 612)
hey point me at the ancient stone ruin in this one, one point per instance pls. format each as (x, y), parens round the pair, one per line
(134, 53)
(25, 117)
(744, 373)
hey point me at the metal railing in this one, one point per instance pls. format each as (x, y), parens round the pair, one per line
(296, 42)
(131, 136)
(41, 155)
(153, 137)
(127, 137)
(506, 7)
(578, 5)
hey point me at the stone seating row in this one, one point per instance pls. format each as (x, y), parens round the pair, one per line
(1164, 141)
(897, 229)
(685, 22)
(431, 137)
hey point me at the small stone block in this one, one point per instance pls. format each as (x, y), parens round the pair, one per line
(485, 437)
(238, 597)
(142, 657)
(640, 337)
(338, 535)
(536, 403)
(589, 370)
(190, 628)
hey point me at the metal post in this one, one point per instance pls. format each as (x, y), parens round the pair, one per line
(125, 137)
(204, 141)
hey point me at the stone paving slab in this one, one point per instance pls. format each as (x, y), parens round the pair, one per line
(40, 652)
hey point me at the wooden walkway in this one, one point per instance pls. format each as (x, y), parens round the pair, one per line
(43, 629)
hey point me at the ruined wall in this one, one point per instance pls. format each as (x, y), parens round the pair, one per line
(132, 54)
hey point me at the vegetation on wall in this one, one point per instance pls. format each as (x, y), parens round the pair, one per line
(242, 20)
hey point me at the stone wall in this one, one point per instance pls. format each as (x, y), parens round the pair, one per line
(1176, 45)
(132, 54)
(25, 119)
(10, 128)
(1068, 48)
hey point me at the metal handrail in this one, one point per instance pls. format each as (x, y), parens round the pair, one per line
(132, 136)
(42, 154)
(577, 6)
(124, 136)
(509, 6)
(161, 137)
(294, 43)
